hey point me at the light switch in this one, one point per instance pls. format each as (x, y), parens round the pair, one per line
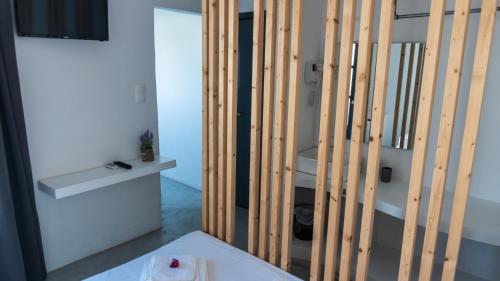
(140, 92)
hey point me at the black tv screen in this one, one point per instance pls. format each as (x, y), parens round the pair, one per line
(72, 19)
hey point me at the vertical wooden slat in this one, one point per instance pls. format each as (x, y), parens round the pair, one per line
(347, 36)
(205, 97)
(213, 110)
(279, 128)
(356, 147)
(256, 121)
(292, 132)
(409, 76)
(416, 93)
(232, 103)
(327, 97)
(450, 97)
(395, 120)
(267, 122)
(222, 150)
(433, 46)
(476, 95)
(377, 127)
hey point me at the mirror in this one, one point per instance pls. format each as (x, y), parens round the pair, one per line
(405, 72)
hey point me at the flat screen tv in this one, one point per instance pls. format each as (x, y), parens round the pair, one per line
(71, 19)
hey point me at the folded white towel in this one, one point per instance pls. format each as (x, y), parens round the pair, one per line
(157, 268)
(202, 272)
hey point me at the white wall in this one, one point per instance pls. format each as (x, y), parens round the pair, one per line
(178, 81)
(80, 113)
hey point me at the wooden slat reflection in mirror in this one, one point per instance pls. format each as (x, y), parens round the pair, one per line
(409, 76)
(395, 121)
(416, 94)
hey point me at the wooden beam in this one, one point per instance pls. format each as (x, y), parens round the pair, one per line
(347, 37)
(213, 116)
(443, 148)
(279, 128)
(409, 76)
(256, 122)
(395, 120)
(416, 92)
(377, 128)
(232, 102)
(267, 129)
(327, 96)
(421, 137)
(292, 131)
(222, 149)
(472, 119)
(356, 147)
(205, 97)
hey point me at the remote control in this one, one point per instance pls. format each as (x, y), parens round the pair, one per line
(123, 165)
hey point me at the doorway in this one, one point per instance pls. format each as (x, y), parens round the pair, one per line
(178, 60)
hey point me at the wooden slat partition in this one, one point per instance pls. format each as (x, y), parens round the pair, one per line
(476, 95)
(433, 47)
(222, 141)
(205, 97)
(409, 76)
(256, 121)
(443, 148)
(232, 103)
(332, 24)
(282, 65)
(267, 123)
(292, 132)
(356, 147)
(377, 127)
(416, 93)
(220, 86)
(213, 114)
(395, 122)
(335, 201)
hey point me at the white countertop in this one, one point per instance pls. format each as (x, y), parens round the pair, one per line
(91, 179)
(481, 220)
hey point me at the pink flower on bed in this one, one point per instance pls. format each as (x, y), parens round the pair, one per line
(174, 263)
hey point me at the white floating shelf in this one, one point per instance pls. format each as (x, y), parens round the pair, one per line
(88, 180)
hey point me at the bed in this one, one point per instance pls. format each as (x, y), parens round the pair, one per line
(225, 262)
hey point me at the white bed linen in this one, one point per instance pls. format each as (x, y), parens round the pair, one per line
(225, 262)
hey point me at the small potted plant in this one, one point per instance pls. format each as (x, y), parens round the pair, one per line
(147, 153)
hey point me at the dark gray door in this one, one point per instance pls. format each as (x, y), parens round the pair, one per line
(244, 108)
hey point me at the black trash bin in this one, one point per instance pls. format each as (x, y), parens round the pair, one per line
(303, 222)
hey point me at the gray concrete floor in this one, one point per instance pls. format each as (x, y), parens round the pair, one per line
(181, 214)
